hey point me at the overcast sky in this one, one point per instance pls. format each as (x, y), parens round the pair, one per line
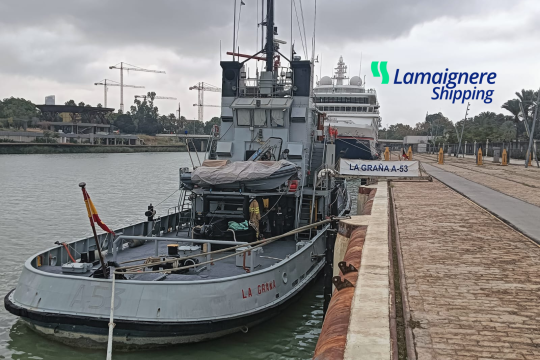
(62, 48)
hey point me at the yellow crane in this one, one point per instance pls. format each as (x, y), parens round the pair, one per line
(122, 66)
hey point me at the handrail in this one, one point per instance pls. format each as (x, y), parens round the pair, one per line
(156, 239)
(136, 269)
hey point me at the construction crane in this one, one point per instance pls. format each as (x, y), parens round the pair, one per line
(156, 97)
(106, 83)
(129, 67)
(201, 88)
(206, 105)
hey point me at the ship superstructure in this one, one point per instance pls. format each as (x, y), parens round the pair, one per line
(352, 111)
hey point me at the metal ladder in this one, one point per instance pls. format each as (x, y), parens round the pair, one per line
(212, 143)
(185, 211)
(188, 143)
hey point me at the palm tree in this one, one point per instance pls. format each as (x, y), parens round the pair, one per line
(513, 107)
(526, 98)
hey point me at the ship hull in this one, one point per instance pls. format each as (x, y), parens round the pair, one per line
(75, 310)
(81, 331)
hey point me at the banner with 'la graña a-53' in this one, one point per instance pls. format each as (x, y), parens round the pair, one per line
(375, 168)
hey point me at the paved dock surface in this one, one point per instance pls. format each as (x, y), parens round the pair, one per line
(513, 180)
(473, 282)
(522, 215)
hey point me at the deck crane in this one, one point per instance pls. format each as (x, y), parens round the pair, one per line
(201, 88)
(121, 66)
(106, 83)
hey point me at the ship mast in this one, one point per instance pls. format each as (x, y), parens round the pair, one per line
(269, 35)
(341, 71)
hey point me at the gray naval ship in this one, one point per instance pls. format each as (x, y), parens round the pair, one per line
(249, 234)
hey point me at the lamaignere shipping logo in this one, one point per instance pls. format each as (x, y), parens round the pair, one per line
(448, 80)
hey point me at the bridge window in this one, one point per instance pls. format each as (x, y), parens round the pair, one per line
(277, 116)
(244, 117)
(259, 118)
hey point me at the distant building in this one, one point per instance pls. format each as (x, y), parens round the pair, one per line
(50, 100)
(413, 140)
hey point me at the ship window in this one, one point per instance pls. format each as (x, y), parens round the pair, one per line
(277, 118)
(259, 118)
(244, 117)
(226, 119)
(364, 109)
(348, 100)
(342, 108)
(348, 108)
(330, 108)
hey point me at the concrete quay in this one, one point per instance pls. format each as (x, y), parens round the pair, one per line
(446, 269)
(357, 323)
(472, 284)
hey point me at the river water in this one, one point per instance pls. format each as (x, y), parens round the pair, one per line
(42, 203)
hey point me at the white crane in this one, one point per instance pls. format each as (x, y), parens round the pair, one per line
(206, 105)
(156, 97)
(132, 68)
(106, 83)
(201, 88)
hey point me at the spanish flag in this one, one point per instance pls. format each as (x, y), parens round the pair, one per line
(92, 212)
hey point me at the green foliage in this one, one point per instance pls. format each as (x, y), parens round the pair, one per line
(4, 140)
(125, 124)
(209, 124)
(18, 108)
(486, 125)
(195, 127)
(145, 115)
(70, 103)
(49, 137)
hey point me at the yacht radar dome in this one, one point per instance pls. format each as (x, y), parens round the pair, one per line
(356, 81)
(326, 80)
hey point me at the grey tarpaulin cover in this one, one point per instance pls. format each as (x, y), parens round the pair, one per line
(240, 171)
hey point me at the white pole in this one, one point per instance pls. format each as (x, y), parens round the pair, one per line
(111, 324)
(122, 87)
(105, 94)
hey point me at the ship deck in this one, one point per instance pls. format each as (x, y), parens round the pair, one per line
(272, 253)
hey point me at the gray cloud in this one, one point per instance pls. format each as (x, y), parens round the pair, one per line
(74, 41)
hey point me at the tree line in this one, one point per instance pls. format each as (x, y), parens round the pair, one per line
(143, 117)
(497, 127)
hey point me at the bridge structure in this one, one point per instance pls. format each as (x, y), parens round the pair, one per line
(200, 141)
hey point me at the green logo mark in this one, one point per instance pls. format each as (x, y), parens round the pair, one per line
(376, 73)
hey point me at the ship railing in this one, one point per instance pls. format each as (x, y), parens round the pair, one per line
(138, 268)
(59, 255)
(118, 243)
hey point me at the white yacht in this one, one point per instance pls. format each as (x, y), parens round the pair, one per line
(352, 112)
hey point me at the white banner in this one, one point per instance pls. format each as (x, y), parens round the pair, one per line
(373, 168)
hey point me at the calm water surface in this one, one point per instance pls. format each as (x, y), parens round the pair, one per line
(42, 203)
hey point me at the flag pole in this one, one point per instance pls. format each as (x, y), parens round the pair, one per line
(85, 195)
